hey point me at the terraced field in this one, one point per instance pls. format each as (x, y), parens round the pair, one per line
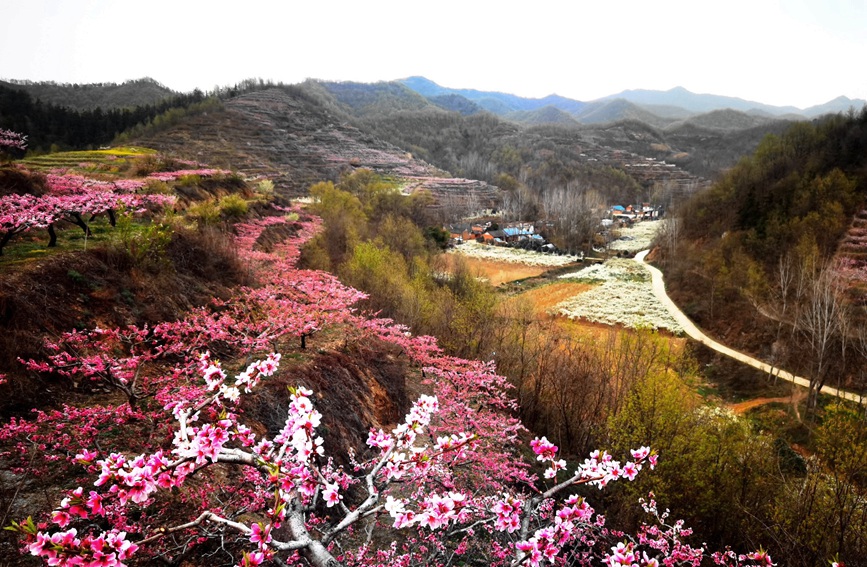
(851, 260)
(294, 142)
(111, 160)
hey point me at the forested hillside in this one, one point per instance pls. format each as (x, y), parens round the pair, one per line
(107, 96)
(804, 185)
(782, 233)
(58, 121)
(703, 145)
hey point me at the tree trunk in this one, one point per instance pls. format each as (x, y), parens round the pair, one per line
(76, 219)
(4, 240)
(316, 553)
(52, 236)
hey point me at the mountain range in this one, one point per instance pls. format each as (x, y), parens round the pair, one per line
(318, 127)
(652, 106)
(660, 109)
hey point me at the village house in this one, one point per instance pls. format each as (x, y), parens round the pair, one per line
(631, 213)
(519, 231)
(460, 233)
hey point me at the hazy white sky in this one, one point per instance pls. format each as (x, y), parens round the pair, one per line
(783, 52)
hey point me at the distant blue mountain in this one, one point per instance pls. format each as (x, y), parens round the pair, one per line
(700, 103)
(665, 106)
(494, 102)
(839, 104)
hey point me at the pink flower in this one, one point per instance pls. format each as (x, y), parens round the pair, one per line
(508, 514)
(260, 535)
(622, 555)
(37, 547)
(331, 495)
(61, 518)
(86, 456)
(94, 502)
(251, 559)
(403, 519)
(544, 449)
(640, 453)
(761, 557)
(531, 549)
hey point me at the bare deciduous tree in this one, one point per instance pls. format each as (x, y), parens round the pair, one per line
(820, 323)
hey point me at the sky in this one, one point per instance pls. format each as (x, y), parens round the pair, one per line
(781, 52)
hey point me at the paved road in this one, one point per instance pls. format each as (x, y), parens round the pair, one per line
(694, 332)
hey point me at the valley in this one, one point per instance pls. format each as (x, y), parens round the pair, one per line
(537, 325)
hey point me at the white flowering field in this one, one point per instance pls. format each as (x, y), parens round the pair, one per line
(621, 269)
(625, 297)
(637, 237)
(513, 255)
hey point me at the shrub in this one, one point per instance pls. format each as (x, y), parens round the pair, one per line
(144, 165)
(157, 187)
(189, 180)
(206, 213)
(265, 189)
(145, 245)
(233, 206)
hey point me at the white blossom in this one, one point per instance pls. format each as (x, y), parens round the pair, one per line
(474, 249)
(625, 297)
(637, 237)
(615, 269)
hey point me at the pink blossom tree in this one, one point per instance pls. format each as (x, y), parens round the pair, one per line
(292, 502)
(177, 465)
(21, 213)
(71, 198)
(11, 141)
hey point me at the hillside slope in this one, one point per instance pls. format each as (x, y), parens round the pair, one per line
(286, 135)
(107, 96)
(779, 236)
(702, 144)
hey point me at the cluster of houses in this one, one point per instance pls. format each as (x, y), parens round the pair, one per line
(632, 213)
(491, 233)
(529, 234)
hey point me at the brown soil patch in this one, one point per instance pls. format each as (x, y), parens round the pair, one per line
(500, 272)
(545, 297)
(797, 396)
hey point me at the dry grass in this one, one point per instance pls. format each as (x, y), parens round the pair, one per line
(545, 297)
(497, 273)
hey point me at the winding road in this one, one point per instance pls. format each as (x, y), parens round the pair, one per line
(695, 333)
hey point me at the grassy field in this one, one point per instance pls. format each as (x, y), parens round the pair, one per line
(33, 245)
(498, 272)
(545, 297)
(111, 160)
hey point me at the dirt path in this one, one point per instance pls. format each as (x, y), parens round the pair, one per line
(694, 332)
(798, 395)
